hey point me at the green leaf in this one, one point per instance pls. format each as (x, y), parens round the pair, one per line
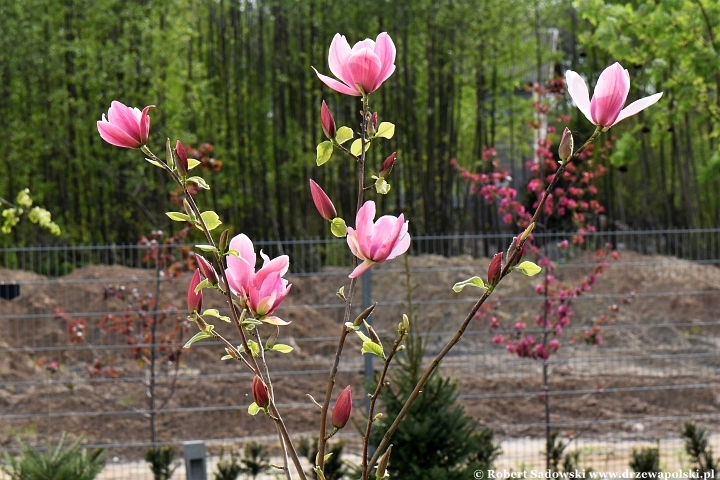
(324, 151)
(528, 268)
(470, 282)
(200, 182)
(197, 337)
(338, 227)
(351, 327)
(178, 217)
(204, 283)
(343, 135)
(206, 248)
(211, 312)
(169, 155)
(211, 219)
(381, 186)
(374, 348)
(192, 163)
(273, 320)
(363, 337)
(154, 162)
(385, 130)
(254, 348)
(254, 409)
(355, 147)
(235, 253)
(227, 357)
(282, 348)
(327, 457)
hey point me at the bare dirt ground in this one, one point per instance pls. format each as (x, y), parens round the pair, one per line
(659, 362)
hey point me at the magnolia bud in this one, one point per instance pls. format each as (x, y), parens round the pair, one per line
(387, 166)
(565, 150)
(381, 471)
(182, 161)
(343, 408)
(364, 315)
(223, 242)
(260, 392)
(194, 300)
(322, 202)
(494, 269)
(373, 123)
(206, 269)
(328, 122)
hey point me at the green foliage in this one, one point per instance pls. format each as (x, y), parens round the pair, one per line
(334, 465)
(228, 469)
(646, 459)
(58, 462)
(162, 461)
(559, 460)
(698, 447)
(255, 459)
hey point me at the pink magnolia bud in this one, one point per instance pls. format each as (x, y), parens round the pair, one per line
(182, 161)
(328, 122)
(260, 392)
(565, 150)
(494, 269)
(194, 300)
(343, 408)
(206, 269)
(373, 123)
(387, 165)
(322, 201)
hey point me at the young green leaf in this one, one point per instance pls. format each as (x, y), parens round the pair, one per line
(197, 337)
(282, 348)
(374, 348)
(254, 409)
(206, 248)
(528, 268)
(211, 312)
(381, 186)
(324, 152)
(154, 162)
(227, 357)
(254, 348)
(355, 147)
(192, 163)
(204, 283)
(200, 182)
(211, 219)
(470, 282)
(178, 217)
(338, 227)
(343, 135)
(385, 130)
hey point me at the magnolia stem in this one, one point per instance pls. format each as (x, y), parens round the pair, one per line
(284, 435)
(510, 261)
(348, 302)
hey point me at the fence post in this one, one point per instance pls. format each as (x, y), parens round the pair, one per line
(195, 464)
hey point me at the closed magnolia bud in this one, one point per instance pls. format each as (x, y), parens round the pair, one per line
(182, 161)
(260, 392)
(328, 122)
(343, 408)
(223, 242)
(495, 269)
(322, 202)
(381, 471)
(565, 150)
(387, 166)
(373, 123)
(194, 300)
(206, 269)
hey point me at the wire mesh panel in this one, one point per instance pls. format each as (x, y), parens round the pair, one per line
(74, 350)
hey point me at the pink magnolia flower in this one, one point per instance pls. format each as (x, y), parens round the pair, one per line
(376, 242)
(606, 107)
(260, 292)
(125, 126)
(362, 68)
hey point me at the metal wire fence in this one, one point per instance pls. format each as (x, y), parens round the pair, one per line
(657, 366)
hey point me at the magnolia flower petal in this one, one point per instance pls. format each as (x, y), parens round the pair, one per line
(352, 242)
(578, 91)
(123, 117)
(610, 94)
(273, 320)
(360, 269)
(277, 265)
(637, 106)
(337, 86)
(401, 246)
(364, 68)
(367, 43)
(385, 50)
(337, 57)
(387, 231)
(365, 227)
(243, 268)
(145, 124)
(114, 135)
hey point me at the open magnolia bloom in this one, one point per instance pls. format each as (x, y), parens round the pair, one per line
(260, 292)
(606, 107)
(125, 126)
(379, 241)
(362, 68)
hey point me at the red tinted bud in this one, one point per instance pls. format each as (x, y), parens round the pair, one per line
(182, 161)
(343, 408)
(328, 122)
(322, 201)
(373, 123)
(565, 150)
(495, 269)
(260, 392)
(194, 300)
(387, 165)
(206, 269)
